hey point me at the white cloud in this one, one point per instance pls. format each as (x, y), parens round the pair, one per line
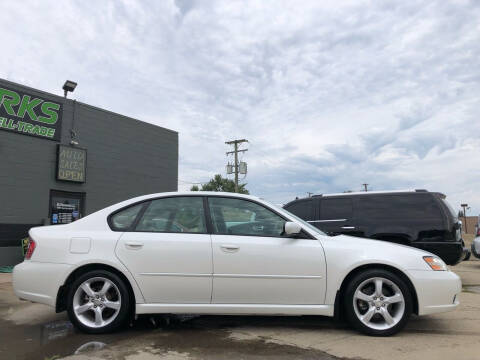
(330, 96)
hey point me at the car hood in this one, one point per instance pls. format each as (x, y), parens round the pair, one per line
(355, 250)
(381, 244)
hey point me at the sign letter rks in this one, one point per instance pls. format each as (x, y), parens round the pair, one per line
(25, 114)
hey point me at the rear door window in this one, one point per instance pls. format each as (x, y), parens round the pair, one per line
(335, 209)
(302, 208)
(411, 206)
(174, 215)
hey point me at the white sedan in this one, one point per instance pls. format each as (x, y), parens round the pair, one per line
(223, 253)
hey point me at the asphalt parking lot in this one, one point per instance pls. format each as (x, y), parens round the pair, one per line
(33, 331)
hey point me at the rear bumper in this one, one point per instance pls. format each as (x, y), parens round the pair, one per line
(39, 282)
(437, 291)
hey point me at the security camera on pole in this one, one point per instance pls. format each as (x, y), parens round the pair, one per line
(236, 167)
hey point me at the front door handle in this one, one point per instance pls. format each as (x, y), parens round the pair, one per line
(230, 248)
(134, 245)
(348, 227)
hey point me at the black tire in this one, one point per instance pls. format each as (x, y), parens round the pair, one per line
(348, 304)
(123, 313)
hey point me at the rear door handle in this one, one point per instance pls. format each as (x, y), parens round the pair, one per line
(348, 227)
(230, 248)
(134, 245)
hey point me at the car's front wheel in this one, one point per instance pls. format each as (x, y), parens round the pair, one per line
(98, 302)
(378, 302)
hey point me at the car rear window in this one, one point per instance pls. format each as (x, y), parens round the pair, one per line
(450, 208)
(411, 206)
(335, 209)
(302, 208)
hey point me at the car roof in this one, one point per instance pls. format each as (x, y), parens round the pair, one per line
(411, 191)
(201, 193)
(373, 192)
(186, 193)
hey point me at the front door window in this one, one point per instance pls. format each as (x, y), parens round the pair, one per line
(242, 217)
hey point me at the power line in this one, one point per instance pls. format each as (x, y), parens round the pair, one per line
(236, 165)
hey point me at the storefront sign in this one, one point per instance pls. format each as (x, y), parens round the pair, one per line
(71, 163)
(30, 115)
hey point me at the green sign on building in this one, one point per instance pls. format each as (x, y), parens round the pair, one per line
(30, 115)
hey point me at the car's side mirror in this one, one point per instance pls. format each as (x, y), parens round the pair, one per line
(292, 229)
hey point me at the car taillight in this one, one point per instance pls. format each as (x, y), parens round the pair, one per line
(30, 249)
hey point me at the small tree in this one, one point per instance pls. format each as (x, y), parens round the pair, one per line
(219, 183)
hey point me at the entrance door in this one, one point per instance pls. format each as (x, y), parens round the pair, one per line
(66, 206)
(255, 264)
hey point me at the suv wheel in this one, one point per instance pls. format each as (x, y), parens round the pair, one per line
(98, 302)
(378, 302)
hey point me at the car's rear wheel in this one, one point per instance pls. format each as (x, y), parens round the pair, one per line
(378, 302)
(98, 302)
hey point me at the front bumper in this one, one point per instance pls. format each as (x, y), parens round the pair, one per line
(39, 282)
(437, 291)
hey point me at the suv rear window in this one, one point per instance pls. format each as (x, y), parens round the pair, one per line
(450, 209)
(334, 209)
(399, 206)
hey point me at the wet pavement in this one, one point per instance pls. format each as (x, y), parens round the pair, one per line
(33, 331)
(201, 337)
(472, 288)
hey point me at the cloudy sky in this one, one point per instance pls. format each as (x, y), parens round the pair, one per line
(330, 94)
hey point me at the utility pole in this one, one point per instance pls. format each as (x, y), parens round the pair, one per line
(309, 194)
(365, 187)
(235, 151)
(465, 208)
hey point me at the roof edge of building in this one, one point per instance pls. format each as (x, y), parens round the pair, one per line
(63, 99)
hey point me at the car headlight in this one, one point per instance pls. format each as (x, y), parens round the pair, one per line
(435, 263)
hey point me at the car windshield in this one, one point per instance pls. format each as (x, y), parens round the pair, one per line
(301, 221)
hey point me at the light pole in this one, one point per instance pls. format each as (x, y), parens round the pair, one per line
(70, 86)
(465, 208)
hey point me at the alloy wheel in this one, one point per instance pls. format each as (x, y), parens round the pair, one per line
(97, 302)
(379, 303)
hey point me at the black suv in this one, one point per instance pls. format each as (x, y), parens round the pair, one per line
(418, 218)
